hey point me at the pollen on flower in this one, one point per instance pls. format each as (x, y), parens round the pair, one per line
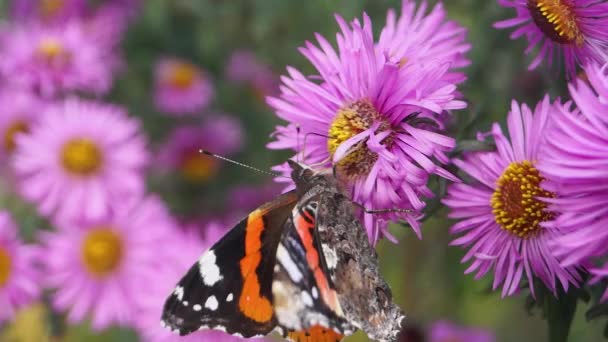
(9, 135)
(183, 75)
(102, 251)
(52, 51)
(81, 156)
(350, 121)
(51, 7)
(515, 202)
(557, 19)
(198, 168)
(5, 267)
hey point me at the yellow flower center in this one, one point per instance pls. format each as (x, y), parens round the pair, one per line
(15, 128)
(198, 168)
(50, 7)
(350, 121)
(53, 52)
(183, 75)
(102, 251)
(557, 19)
(5, 267)
(515, 202)
(81, 156)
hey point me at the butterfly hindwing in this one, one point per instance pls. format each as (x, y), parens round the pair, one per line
(230, 287)
(304, 295)
(314, 334)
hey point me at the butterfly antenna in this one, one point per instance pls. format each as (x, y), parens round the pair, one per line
(241, 164)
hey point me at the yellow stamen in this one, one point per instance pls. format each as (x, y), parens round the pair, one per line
(183, 75)
(350, 121)
(81, 156)
(102, 251)
(198, 168)
(558, 20)
(515, 202)
(15, 128)
(5, 267)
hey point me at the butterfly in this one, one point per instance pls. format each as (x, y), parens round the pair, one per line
(301, 265)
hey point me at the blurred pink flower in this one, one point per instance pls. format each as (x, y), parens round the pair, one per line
(577, 167)
(48, 11)
(20, 111)
(19, 277)
(444, 331)
(243, 66)
(243, 199)
(219, 134)
(576, 30)
(373, 111)
(502, 212)
(151, 298)
(80, 158)
(181, 87)
(99, 267)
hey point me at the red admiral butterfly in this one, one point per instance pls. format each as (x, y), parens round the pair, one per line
(301, 265)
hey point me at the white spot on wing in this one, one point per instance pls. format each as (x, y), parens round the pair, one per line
(306, 298)
(331, 259)
(285, 259)
(185, 303)
(211, 303)
(179, 292)
(208, 268)
(229, 298)
(315, 292)
(197, 307)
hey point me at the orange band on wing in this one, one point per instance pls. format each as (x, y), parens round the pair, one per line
(316, 333)
(251, 302)
(305, 228)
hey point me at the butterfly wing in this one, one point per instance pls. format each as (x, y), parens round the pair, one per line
(230, 287)
(315, 334)
(305, 300)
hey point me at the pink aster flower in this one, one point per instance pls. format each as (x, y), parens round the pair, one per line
(502, 212)
(21, 109)
(576, 30)
(79, 158)
(243, 66)
(444, 331)
(576, 165)
(49, 11)
(219, 134)
(152, 298)
(51, 60)
(372, 116)
(99, 267)
(181, 87)
(419, 38)
(19, 278)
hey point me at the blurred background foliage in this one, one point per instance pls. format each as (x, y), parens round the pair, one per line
(426, 275)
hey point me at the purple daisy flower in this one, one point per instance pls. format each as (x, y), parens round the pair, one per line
(19, 278)
(151, 298)
(80, 157)
(21, 110)
(50, 11)
(98, 267)
(372, 117)
(419, 39)
(444, 331)
(576, 164)
(50, 60)
(502, 212)
(219, 134)
(243, 66)
(576, 30)
(181, 87)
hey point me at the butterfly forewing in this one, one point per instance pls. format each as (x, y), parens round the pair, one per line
(230, 287)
